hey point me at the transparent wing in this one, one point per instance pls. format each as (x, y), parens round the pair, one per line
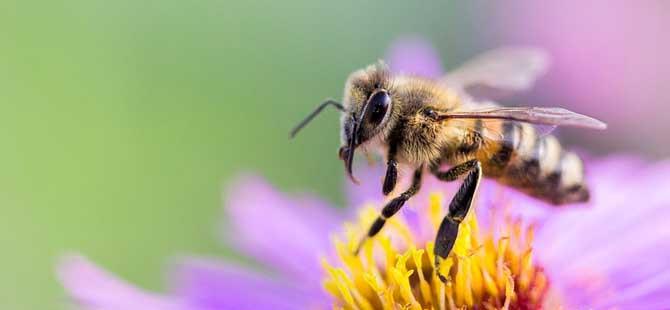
(533, 115)
(499, 71)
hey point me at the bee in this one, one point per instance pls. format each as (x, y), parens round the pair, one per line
(427, 124)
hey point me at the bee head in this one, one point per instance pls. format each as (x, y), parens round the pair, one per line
(368, 103)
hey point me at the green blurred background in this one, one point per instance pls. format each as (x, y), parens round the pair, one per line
(121, 121)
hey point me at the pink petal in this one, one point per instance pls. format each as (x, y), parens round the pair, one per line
(616, 251)
(289, 234)
(93, 288)
(212, 285)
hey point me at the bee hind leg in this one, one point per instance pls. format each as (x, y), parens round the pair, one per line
(458, 209)
(392, 207)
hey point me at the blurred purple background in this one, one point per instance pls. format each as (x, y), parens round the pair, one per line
(610, 59)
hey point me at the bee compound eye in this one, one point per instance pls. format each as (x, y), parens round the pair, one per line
(379, 104)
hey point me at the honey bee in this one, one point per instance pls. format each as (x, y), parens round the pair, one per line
(425, 124)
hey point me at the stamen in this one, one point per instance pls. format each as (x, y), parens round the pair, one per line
(396, 270)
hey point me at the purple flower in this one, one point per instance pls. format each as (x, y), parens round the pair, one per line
(284, 234)
(612, 252)
(512, 251)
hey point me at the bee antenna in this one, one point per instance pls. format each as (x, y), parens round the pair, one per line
(314, 113)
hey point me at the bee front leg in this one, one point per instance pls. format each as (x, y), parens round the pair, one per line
(392, 207)
(458, 209)
(391, 177)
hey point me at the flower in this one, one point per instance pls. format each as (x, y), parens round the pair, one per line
(613, 252)
(515, 251)
(491, 268)
(282, 234)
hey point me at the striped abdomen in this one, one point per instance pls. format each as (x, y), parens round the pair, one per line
(532, 163)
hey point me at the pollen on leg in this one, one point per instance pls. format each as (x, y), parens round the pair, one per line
(491, 268)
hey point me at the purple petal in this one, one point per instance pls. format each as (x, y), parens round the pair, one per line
(370, 188)
(209, 285)
(285, 233)
(414, 56)
(615, 252)
(652, 293)
(91, 287)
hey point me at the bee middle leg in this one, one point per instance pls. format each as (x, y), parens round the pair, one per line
(458, 209)
(455, 171)
(392, 207)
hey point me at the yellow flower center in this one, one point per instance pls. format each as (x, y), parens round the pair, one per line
(485, 270)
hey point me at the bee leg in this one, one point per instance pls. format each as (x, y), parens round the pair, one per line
(458, 209)
(455, 171)
(392, 207)
(391, 177)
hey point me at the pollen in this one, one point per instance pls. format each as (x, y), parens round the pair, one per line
(489, 267)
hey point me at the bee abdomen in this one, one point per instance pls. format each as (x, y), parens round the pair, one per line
(566, 184)
(537, 165)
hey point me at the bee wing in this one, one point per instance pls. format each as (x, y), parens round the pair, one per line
(499, 71)
(534, 115)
